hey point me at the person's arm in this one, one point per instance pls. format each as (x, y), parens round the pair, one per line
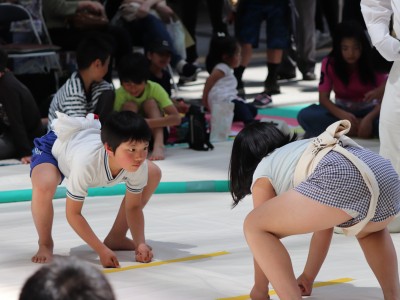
(105, 104)
(325, 101)
(145, 7)
(56, 9)
(164, 11)
(377, 15)
(83, 229)
(319, 247)
(215, 75)
(376, 94)
(171, 118)
(262, 191)
(13, 109)
(135, 219)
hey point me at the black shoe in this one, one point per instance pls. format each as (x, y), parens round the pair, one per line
(272, 88)
(287, 76)
(240, 89)
(309, 76)
(189, 73)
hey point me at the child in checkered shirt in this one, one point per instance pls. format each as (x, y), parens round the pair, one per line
(263, 163)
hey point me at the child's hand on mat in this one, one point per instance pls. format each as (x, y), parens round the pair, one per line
(305, 285)
(143, 253)
(258, 293)
(109, 259)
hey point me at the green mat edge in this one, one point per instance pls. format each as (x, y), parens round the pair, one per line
(289, 111)
(203, 186)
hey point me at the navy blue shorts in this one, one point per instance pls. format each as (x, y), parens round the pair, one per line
(252, 13)
(42, 151)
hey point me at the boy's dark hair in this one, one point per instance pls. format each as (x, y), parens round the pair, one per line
(67, 279)
(3, 60)
(134, 68)
(220, 46)
(251, 145)
(354, 30)
(92, 47)
(124, 126)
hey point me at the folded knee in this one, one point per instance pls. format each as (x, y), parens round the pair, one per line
(250, 224)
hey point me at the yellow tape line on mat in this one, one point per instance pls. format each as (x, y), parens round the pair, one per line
(165, 262)
(315, 285)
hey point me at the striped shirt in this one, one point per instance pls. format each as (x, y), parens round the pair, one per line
(72, 100)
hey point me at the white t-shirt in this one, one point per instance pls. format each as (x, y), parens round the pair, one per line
(224, 90)
(84, 162)
(279, 166)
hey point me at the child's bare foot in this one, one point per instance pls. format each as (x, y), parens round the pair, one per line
(44, 254)
(119, 244)
(157, 154)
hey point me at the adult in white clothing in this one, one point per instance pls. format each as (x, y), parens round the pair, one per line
(377, 15)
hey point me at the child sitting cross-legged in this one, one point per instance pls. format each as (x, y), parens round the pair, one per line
(348, 72)
(138, 94)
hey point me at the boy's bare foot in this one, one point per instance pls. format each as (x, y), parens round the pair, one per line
(119, 244)
(157, 154)
(44, 254)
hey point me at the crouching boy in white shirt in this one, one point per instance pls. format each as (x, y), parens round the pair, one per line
(88, 156)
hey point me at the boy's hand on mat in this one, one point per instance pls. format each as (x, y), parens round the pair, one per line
(305, 285)
(109, 259)
(143, 253)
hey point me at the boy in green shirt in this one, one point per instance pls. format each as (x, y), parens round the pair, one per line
(138, 94)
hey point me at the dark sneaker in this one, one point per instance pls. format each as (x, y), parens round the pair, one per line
(287, 76)
(272, 88)
(262, 100)
(189, 73)
(309, 76)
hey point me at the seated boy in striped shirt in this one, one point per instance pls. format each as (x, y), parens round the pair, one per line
(86, 91)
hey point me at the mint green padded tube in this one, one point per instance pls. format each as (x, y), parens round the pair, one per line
(208, 186)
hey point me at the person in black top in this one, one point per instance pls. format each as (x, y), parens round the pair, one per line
(159, 55)
(20, 120)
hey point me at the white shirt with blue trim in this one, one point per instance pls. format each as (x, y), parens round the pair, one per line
(84, 162)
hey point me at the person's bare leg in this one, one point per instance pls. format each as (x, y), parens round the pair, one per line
(288, 214)
(381, 256)
(116, 239)
(158, 146)
(365, 128)
(152, 111)
(45, 178)
(274, 56)
(246, 54)
(130, 106)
